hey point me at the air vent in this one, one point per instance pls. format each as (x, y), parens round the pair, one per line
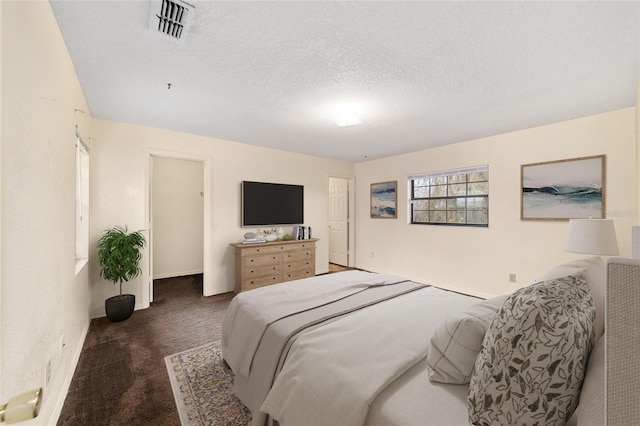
(170, 17)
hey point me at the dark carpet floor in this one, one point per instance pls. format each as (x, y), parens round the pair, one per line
(121, 377)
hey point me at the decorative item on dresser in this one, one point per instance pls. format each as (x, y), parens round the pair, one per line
(273, 262)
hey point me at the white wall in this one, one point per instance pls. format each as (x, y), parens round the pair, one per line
(119, 171)
(479, 260)
(43, 302)
(178, 215)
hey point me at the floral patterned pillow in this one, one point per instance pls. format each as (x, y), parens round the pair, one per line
(533, 357)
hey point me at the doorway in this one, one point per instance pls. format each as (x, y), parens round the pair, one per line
(177, 173)
(177, 215)
(339, 230)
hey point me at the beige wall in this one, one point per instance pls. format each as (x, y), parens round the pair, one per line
(178, 214)
(479, 260)
(120, 153)
(637, 194)
(44, 303)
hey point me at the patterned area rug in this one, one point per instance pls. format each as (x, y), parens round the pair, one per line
(203, 388)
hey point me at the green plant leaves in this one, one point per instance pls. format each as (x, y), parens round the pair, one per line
(119, 253)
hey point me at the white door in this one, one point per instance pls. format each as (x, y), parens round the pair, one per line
(338, 221)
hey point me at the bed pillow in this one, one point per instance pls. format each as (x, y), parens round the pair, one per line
(593, 269)
(534, 355)
(455, 344)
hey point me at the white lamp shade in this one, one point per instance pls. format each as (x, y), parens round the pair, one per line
(592, 236)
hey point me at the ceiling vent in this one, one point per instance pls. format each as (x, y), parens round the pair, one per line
(170, 17)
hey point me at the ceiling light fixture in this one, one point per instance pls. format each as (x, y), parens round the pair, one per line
(347, 115)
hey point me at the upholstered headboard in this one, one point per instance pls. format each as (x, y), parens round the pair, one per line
(622, 342)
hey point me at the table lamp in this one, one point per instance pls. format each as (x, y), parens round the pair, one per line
(592, 236)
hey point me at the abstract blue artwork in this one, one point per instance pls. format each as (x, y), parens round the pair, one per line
(383, 200)
(565, 189)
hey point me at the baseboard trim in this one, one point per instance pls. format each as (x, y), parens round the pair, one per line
(57, 409)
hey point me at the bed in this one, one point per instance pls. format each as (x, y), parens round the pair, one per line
(356, 348)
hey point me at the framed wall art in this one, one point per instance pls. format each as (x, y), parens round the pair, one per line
(564, 189)
(384, 200)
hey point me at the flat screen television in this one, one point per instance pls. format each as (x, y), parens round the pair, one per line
(272, 204)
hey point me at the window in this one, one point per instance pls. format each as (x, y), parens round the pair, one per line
(82, 203)
(450, 197)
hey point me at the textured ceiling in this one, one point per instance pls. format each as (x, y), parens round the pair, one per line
(425, 73)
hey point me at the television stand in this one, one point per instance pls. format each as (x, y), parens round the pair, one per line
(258, 265)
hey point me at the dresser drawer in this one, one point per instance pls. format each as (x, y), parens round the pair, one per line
(267, 259)
(260, 282)
(261, 271)
(306, 246)
(295, 256)
(251, 251)
(297, 266)
(295, 275)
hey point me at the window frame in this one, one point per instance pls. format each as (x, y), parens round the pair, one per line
(448, 197)
(82, 165)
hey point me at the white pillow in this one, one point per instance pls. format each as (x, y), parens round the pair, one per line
(455, 344)
(593, 270)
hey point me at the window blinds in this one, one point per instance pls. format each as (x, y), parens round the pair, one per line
(459, 171)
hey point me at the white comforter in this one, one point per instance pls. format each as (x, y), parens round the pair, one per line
(251, 312)
(333, 373)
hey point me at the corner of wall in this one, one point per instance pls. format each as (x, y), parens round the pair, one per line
(637, 152)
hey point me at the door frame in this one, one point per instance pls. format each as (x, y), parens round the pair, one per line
(351, 214)
(148, 250)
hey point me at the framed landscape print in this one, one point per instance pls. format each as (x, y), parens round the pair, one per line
(562, 190)
(384, 202)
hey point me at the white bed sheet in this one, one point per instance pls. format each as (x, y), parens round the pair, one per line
(413, 400)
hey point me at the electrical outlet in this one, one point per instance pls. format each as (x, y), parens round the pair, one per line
(373, 254)
(512, 278)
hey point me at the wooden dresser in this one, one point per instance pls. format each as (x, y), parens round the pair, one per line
(263, 264)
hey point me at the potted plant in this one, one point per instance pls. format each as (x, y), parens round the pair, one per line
(119, 253)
